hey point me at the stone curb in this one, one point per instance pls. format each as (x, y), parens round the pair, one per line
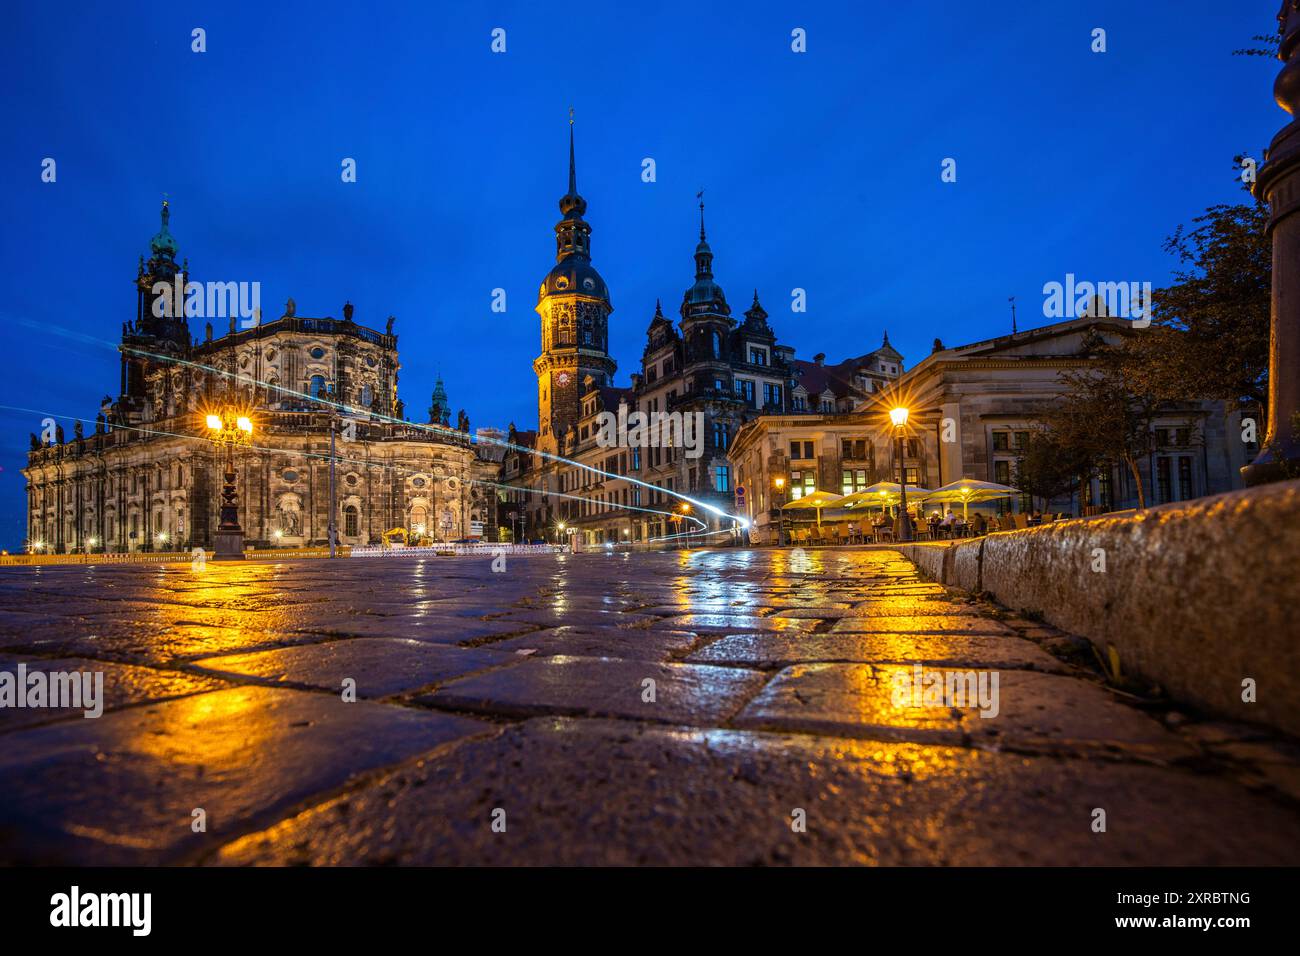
(1196, 597)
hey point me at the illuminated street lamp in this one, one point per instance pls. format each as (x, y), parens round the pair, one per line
(229, 428)
(899, 417)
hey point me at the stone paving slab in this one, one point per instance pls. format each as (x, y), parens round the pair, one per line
(779, 650)
(123, 685)
(562, 614)
(130, 641)
(677, 610)
(437, 630)
(910, 605)
(587, 770)
(121, 789)
(921, 624)
(635, 643)
(734, 623)
(603, 687)
(1037, 711)
(597, 792)
(907, 590)
(380, 666)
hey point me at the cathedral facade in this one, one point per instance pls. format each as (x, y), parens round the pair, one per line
(148, 477)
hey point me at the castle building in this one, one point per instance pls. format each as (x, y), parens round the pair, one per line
(148, 477)
(709, 373)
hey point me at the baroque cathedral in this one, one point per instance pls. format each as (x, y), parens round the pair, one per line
(147, 478)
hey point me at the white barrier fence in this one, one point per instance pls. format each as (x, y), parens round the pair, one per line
(487, 550)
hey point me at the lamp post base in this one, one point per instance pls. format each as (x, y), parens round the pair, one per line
(1279, 461)
(905, 530)
(228, 545)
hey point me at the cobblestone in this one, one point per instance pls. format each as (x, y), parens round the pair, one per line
(526, 692)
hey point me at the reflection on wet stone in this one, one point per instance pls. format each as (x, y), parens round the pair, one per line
(683, 702)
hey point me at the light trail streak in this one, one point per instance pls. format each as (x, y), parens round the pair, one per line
(401, 471)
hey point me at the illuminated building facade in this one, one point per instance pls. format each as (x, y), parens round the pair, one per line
(977, 405)
(147, 479)
(711, 366)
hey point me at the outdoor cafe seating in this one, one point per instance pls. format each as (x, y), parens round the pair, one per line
(870, 515)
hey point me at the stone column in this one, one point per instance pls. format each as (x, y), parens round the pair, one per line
(1279, 185)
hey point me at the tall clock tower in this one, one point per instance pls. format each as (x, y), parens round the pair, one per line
(574, 306)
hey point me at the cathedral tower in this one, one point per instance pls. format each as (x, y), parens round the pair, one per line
(574, 306)
(160, 325)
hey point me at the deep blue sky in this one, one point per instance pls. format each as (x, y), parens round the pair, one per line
(821, 169)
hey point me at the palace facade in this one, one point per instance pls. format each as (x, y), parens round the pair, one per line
(719, 369)
(147, 478)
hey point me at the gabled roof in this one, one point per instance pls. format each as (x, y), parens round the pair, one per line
(611, 397)
(1031, 344)
(839, 379)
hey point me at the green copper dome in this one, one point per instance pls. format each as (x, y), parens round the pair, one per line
(163, 244)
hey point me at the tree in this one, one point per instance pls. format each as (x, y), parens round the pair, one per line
(1049, 469)
(1101, 421)
(1268, 46)
(1209, 330)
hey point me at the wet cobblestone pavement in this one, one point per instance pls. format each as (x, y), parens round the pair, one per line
(509, 718)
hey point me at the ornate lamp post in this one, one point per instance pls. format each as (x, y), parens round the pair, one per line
(1278, 183)
(230, 429)
(899, 417)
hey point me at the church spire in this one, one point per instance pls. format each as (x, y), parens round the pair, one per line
(573, 168)
(439, 408)
(572, 205)
(703, 254)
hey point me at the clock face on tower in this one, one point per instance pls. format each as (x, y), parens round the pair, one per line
(563, 378)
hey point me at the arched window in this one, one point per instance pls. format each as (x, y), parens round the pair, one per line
(316, 388)
(350, 520)
(420, 520)
(367, 396)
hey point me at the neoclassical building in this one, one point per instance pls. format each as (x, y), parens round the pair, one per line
(147, 477)
(974, 407)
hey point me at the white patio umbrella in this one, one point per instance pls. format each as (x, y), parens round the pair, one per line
(967, 490)
(883, 493)
(815, 499)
